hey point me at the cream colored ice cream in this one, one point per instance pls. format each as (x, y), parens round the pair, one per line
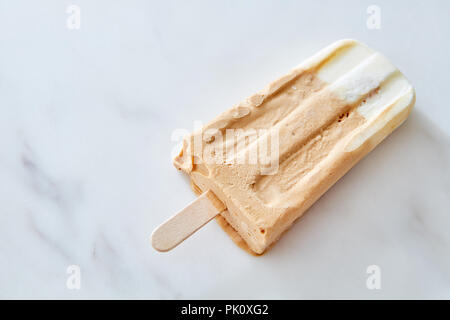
(270, 157)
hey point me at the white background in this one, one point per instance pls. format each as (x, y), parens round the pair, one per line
(86, 118)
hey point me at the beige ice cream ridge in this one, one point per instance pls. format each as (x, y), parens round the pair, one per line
(270, 157)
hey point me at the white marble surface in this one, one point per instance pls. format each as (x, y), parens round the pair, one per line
(86, 118)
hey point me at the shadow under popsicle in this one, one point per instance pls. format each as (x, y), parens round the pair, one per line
(395, 200)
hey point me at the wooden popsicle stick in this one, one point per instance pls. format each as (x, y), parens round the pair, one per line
(183, 224)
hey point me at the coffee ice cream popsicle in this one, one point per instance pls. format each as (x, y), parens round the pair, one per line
(261, 164)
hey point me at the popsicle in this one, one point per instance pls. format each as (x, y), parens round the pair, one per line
(261, 164)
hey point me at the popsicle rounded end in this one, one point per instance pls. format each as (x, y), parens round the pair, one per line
(157, 243)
